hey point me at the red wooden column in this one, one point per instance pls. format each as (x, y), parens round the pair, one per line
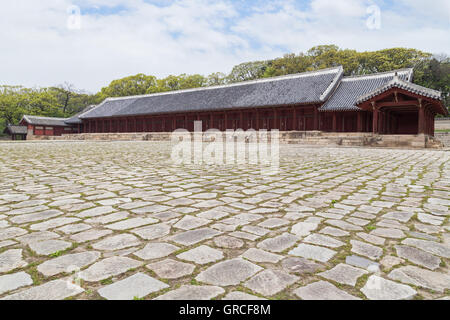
(295, 124)
(241, 120)
(359, 123)
(316, 119)
(421, 118)
(275, 121)
(375, 118)
(257, 119)
(334, 122)
(432, 123)
(226, 122)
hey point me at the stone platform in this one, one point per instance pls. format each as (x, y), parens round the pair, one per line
(309, 138)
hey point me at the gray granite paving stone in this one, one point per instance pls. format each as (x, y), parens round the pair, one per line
(436, 248)
(300, 265)
(189, 238)
(191, 222)
(421, 277)
(377, 288)
(68, 263)
(322, 290)
(171, 269)
(313, 252)
(344, 274)
(108, 267)
(94, 212)
(228, 273)
(47, 247)
(138, 286)
(278, 243)
(258, 255)
(90, 235)
(53, 290)
(388, 233)
(201, 255)
(131, 223)
(156, 250)
(152, 232)
(302, 229)
(53, 223)
(118, 242)
(366, 249)
(360, 262)
(323, 240)
(228, 242)
(238, 295)
(37, 236)
(10, 233)
(32, 217)
(192, 293)
(418, 257)
(270, 282)
(14, 281)
(390, 261)
(74, 228)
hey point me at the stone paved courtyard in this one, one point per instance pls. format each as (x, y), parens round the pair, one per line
(119, 221)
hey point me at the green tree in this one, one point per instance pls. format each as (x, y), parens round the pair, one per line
(129, 86)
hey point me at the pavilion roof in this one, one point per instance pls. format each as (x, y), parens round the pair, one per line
(351, 89)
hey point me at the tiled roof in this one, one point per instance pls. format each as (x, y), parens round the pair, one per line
(45, 121)
(76, 118)
(351, 89)
(302, 88)
(12, 129)
(408, 86)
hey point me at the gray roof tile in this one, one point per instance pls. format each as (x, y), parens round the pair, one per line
(309, 87)
(45, 121)
(351, 89)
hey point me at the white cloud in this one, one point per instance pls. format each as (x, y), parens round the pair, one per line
(190, 36)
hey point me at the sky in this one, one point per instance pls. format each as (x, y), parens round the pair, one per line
(89, 43)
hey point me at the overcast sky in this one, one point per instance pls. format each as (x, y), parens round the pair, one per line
(46, 42)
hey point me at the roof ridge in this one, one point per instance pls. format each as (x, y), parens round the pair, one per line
(380, 74)
(242, 83)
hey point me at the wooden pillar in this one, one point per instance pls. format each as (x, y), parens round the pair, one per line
(241, 120)
(294, 116)
(359, 122)
(226, 121)
(421, 124)
(375, 118)
(174, 123)
(334, 128)
(316, 118)
(275, 121)
(257, 119)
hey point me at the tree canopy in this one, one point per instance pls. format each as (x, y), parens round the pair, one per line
(64, 100)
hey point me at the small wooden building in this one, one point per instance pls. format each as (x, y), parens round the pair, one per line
(16, 132)
(47, 126)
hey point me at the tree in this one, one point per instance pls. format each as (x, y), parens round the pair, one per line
(129, 86)
(248, 71)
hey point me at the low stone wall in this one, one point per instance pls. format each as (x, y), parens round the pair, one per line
(443, 137)
(442, 124)
(312, 138)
